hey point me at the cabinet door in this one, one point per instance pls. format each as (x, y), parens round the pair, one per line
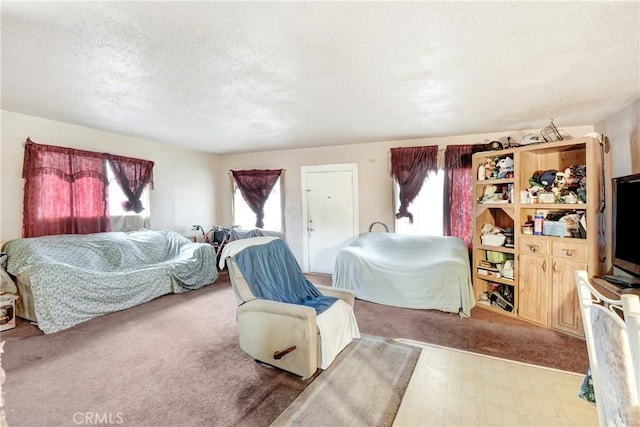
(565, 307)
(533, 284)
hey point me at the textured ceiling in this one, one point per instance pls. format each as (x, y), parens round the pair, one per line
(228, 77)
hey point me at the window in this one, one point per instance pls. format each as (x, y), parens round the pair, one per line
(117, 197)
(244, 217)
(427, 208)
(66, 190)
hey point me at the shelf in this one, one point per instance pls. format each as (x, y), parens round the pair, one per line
(501, 280)
(496, 248)
(551, 238)
(495, 205)
(487, 306)
(552, 206)
(500, 181)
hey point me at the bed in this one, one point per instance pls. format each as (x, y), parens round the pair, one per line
(68, 279)
(419, 272)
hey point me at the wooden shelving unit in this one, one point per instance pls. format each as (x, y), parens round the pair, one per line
(542, 289)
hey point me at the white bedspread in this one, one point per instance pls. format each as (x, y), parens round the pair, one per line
(422, 272)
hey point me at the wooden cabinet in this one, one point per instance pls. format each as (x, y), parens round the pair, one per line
(543, 280)
(533, 288)
(534, 280)
(567, 257)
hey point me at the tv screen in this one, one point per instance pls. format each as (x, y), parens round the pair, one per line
(626, 227)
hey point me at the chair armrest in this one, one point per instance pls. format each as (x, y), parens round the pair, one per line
(347, 295)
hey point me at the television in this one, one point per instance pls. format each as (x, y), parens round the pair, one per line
(626, 227)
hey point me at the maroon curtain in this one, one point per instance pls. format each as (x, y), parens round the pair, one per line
(458, 191)
(65, 191)
(410, 166)
(255, 186)
(132, 175)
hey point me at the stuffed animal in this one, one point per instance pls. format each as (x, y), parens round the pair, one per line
(543, 179)
(505, 167)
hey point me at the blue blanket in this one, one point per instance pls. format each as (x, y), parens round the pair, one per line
(273, 273)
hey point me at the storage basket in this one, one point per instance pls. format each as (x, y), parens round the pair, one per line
(555, 228)
(493, 239)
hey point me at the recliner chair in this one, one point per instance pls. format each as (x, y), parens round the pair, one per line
(289, 336)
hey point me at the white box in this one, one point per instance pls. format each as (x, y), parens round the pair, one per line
(7, 312)
(493, 239)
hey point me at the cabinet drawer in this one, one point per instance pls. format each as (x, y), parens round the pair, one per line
(533, 245)
(573, 250)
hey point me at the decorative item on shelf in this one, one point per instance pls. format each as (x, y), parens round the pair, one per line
(492, 195)
(481, 173)
(552, 134)
(495, 145)
(546, 197)
(505, 167)
(576, 181)
(489, 167)
(532, 138)
(569, 199)
(492, 235)
(544, 179)
(507, 270)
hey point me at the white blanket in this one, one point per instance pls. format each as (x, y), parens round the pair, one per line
(421, 272)
(338, 327)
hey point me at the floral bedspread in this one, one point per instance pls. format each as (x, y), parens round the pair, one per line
(78, 277)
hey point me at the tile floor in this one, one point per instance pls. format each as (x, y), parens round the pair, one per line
(456, 388)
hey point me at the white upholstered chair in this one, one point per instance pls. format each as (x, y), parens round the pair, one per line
(612, 332)
(289, 336)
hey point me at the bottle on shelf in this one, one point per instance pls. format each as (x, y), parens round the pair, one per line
(538, 222)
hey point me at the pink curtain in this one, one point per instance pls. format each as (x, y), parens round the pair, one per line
(132, 175)
(458, 191)
(255, 186)
(65, 191)
(410, 166)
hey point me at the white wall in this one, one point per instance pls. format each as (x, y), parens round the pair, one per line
(374, 180)
(194, 188)
(623, 130)
(185, 181)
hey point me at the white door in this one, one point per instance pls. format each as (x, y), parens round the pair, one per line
(330, 213)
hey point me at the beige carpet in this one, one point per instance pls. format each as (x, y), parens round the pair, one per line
(363, 387)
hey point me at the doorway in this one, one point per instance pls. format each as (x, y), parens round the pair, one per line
(329, 213)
